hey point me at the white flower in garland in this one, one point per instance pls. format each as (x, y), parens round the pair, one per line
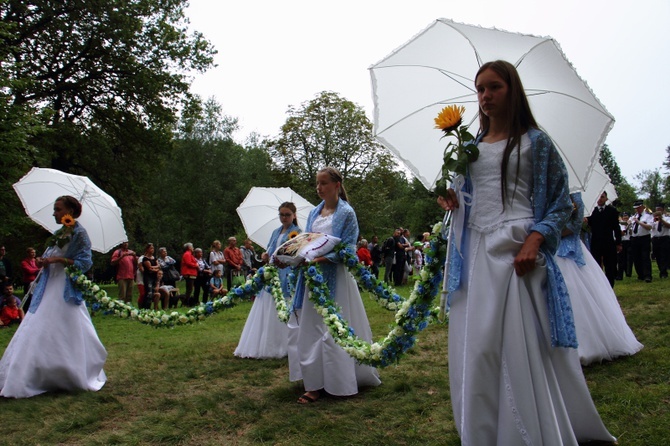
(412, 314)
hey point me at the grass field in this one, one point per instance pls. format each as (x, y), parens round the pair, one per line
(183, 386)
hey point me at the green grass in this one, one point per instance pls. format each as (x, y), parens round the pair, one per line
(183, 386)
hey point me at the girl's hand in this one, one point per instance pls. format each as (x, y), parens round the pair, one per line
(279, 264)
(450, 202)
(526, 259)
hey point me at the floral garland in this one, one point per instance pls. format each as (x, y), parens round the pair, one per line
(412, 316)
(381, 292)
(100, 300)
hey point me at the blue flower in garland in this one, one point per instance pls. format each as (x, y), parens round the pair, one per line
(95, 307)
(422, 325)
(209, 308)
(412, 313)
(379, 289)
(238, 291)
(318, 278)
(351, 262)
(311, 271)
(260, 271)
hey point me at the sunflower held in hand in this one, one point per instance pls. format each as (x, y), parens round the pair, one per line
(457, 155)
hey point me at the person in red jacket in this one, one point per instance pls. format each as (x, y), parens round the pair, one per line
(189, 270)
(364, 253)
(29, 269)
(10, 312)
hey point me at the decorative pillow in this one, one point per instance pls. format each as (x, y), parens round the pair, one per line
(305, 246)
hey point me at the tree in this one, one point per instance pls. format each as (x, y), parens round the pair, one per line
(666, 163)
(332, 131)
(610, 166)
(206, 177)
(81, 58)
(93, 87)
(326, 131)
(626, 194)
(651, 186)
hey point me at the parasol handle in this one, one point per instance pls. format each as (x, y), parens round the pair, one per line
(444, 294)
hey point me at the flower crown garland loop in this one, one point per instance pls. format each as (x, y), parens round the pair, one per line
(412, 315)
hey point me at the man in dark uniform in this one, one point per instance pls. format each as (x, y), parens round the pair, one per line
(625, 258)
(605, 236)
(640, 244)
(660, 240)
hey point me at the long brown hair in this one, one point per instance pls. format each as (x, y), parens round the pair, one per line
(336, 176)
(519, 116)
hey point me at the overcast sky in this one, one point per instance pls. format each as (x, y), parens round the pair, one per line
(273, 54)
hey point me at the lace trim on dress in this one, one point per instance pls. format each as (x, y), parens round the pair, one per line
(512, 404)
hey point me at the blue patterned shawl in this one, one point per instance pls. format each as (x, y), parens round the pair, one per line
(79, 250)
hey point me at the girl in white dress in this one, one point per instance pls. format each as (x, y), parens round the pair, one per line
(314, 357)
(514, 373)
(602, 331)
(264, 335)
(56, 346)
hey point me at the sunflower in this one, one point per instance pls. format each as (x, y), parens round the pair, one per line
(449, 118)
(67, 220)
(292, 234)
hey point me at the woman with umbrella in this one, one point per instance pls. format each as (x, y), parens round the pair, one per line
(513, 365)
(264, 335)
(314, 357)
(56, 347)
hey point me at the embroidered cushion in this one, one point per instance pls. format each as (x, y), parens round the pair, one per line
(306, 246)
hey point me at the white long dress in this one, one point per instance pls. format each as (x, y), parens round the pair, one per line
(55, 348)
(602, 331)
(313, 355)
(264, 335)
(508, 385)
